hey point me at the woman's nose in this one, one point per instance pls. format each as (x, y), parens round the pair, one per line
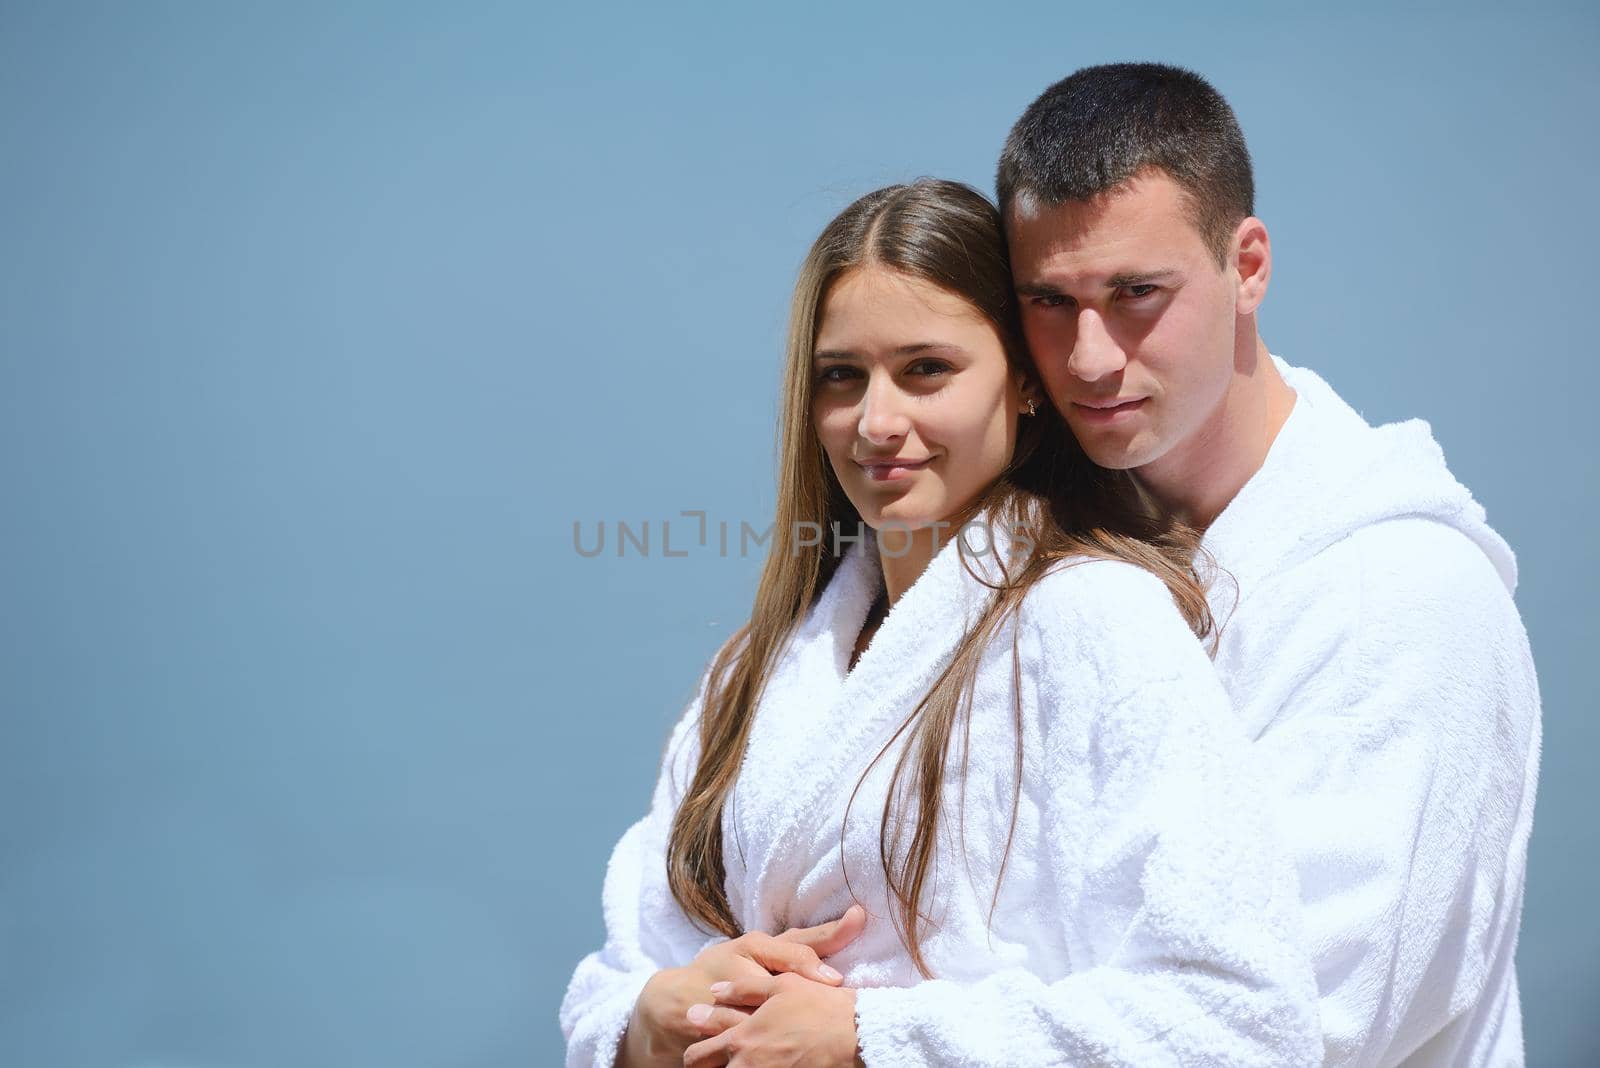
(883, 416)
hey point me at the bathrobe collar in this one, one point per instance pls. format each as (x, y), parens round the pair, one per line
(819, 722)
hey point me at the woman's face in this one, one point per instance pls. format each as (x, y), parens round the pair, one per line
(915, 404)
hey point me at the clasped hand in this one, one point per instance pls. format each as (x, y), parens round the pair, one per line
(755, 1001)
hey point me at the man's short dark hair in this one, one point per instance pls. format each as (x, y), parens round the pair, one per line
(1098, 127)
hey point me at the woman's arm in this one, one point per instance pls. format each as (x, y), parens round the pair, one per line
(646, 929)
(626, 1004)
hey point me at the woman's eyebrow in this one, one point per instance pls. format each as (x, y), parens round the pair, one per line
(912, 349)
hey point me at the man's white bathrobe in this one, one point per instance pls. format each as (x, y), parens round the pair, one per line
(1146, 916)
(1372, 648)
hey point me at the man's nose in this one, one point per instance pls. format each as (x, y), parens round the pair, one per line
(883, 415)
(1095, 353)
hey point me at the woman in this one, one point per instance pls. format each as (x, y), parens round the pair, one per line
(1065, 864)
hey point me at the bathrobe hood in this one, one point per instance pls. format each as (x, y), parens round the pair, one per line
(1329, 475)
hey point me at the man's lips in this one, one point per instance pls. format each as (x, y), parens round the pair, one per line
(890, 469)
(1108, 409)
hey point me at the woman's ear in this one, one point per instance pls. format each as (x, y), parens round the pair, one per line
(1030, 396)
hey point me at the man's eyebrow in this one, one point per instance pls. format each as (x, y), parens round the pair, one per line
(1036, 289)
(1139, 278)
(1116, 281)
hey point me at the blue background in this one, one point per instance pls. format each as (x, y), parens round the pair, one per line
(320, 326)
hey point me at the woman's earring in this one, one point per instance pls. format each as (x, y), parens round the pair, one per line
(1033, 408)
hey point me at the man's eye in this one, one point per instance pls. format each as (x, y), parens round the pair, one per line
(1142, 290)
(1053, 300)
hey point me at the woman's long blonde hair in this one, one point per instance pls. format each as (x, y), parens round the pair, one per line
(950, 235)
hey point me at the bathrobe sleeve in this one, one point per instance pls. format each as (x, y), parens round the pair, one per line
(1405, 748)
(646, 929)
(1177, 907)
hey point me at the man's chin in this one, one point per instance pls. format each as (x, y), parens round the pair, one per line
(1117, 451)
(1113, 456)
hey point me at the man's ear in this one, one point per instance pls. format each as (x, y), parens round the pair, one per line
(1253, 262)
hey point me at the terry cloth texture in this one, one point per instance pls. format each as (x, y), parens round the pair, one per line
(1372, 648)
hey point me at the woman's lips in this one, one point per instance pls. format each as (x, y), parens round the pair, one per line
(890, 470)
(1102, 413)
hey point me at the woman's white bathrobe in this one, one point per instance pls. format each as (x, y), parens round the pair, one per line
(1146, 916)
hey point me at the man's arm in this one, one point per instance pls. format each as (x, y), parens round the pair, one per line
(1179, 904)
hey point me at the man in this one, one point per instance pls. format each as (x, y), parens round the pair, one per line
(1368, 636)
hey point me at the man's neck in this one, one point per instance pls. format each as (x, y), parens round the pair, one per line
(1197, 479)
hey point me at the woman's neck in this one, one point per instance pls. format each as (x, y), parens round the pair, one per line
(904, 555)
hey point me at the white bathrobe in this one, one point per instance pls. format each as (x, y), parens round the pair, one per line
(1146, 917)
(1372, 648)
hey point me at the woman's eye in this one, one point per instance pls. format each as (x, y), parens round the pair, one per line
(928, 368)
(836, 374)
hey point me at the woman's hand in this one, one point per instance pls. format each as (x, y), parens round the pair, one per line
(660, 1028)
(795, 1023)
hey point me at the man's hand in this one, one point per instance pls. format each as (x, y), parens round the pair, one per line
(660, 1027)
(795, 1023)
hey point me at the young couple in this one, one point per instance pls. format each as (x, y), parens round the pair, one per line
(1165, 712)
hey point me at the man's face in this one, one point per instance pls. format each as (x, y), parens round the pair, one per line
(1130, 319)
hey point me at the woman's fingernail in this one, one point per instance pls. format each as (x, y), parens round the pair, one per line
(699, 1014)
(719, 989)
(828, 973)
